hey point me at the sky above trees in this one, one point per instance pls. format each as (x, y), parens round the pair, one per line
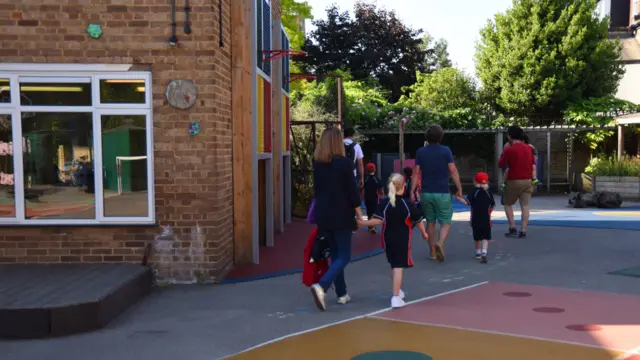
(458, 22)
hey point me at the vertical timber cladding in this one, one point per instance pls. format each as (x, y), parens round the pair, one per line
(243, 55)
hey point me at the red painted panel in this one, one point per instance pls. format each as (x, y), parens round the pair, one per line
(268, 123)
(288, 119)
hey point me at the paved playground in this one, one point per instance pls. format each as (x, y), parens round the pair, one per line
(550, 296)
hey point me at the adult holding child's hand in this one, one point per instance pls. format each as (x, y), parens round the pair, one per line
(337, 210)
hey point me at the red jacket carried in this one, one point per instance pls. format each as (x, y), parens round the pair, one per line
(312, 272)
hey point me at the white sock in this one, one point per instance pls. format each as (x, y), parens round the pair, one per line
(484, 251)
(478, 251)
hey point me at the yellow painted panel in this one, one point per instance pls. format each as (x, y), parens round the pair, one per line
(283, 124)
(260, 131)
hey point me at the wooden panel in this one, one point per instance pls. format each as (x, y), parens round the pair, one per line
(241, 111)
(260, 110)
(267, 130)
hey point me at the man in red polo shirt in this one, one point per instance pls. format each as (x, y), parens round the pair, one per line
(519, 159)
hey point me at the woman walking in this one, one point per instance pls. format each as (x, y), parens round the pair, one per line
(337, 207)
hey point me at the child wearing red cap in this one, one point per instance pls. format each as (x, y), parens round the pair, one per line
(482, 203)
(372, 192)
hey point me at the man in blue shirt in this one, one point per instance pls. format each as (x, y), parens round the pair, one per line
(434, 163)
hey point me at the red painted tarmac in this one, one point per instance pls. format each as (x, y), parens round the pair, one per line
(602, 320)
(286, 256)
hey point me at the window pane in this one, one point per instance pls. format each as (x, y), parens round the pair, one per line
(7, 200)
(124, 160)
(58, 166)
(48, 94)
(122, 91)
(5, 91)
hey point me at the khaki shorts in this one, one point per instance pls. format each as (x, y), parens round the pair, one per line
(518, 190)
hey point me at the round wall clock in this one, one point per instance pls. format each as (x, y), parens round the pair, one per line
(181, 94)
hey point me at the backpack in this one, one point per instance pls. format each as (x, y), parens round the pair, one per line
(350, 151)
(321, 248)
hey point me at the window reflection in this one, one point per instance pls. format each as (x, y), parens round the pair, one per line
(58, 171)
(49, 94)
(122, 91)
(5, 91)
(7, 190)
(124, 162)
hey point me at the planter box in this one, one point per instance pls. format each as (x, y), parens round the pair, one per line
(627, 186)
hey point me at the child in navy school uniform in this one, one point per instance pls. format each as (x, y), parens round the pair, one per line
(408, 175)
(398, 217)
(482, 203)
(372, 192)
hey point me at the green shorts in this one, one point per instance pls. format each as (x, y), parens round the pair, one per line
(437, 207)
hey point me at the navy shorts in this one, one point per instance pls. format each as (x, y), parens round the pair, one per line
(481, 233)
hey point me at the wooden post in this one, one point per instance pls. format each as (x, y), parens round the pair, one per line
(570, 162)
(499, 144)
(620, 142)
(339, 100)
(401, 143)
(548, 161)
(241, 112)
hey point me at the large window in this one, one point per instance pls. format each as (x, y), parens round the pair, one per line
(85, 149)
(263, 33)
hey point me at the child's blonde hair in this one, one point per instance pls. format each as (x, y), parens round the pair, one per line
(483, 186)
(396, 183)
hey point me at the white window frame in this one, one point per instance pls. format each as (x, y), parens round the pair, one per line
(13, 82)
(126, 76)
(97, 110)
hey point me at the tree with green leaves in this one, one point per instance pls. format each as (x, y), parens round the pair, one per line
(375, 43)
(292, 13)
(437, 53)
(444, 89)
(542, 55)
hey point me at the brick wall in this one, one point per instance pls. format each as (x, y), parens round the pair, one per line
(193, 175)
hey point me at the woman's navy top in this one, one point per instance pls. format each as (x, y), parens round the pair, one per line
(336, 194)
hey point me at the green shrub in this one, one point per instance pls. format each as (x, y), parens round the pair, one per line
(610, 166)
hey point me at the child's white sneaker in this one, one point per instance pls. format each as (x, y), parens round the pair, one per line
(397, 302)
(344, 299)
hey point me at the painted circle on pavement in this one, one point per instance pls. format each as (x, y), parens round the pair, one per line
(517, 294)
(392, 355)
(549, 310)
(583, 327)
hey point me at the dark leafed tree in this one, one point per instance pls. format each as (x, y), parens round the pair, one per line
(374, 43)
(542, 55)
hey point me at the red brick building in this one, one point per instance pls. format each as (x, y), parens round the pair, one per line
(107, 158)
